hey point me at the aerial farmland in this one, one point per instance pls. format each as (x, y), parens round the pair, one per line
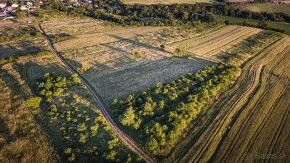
(143, 81)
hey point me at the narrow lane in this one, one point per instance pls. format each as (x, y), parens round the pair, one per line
(138, 150)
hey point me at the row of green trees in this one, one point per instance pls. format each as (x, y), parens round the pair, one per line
(162, 114)
(198, 12)
(171, 15)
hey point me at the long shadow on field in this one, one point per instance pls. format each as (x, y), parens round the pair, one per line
(116, 49)
(148, 46)
(4, 132)
(13, 83)
(22, 47)
(32, 73)
(74, 63)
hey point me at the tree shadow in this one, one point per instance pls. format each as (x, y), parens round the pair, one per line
(116, 49)
(13, 84)
(74, 63)
(21, 47)
(137, 43)
(4, 132)
(32, 73)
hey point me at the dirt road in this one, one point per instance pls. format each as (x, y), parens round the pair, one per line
(102, 108)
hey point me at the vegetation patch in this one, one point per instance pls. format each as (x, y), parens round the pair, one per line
(14, 58)
(267, 7)
(162, 114)
(14, 34)
(81, 130)
(276, 26)
(150, 2)
(61, 37)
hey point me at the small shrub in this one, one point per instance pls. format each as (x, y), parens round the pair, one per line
(34, 102)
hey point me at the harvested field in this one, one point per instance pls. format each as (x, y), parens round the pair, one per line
(133, 64)
(149, 2)
(104, 37)
(26, 46)
(135, 77)
(75, 25)
(250, 120)
(267, 7)
(91, 32)
(215, 42)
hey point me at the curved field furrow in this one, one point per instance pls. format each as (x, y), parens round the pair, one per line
(249, 117)
(279, 131)
(222, 125)
(284, 68)
(284, 144)
(212, 130)
(261, 126)
(256, 69)
(272, 135)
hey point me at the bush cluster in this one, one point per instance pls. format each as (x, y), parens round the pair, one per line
(162, 114)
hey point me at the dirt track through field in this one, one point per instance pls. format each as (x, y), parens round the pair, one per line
(126, 140)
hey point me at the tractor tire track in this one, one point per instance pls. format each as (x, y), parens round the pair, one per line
(249, 117)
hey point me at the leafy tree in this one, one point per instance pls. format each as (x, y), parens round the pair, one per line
(83, 138)
(130, 119)
(34, 102)
(68, 151)
(148, 109)
(152, 144)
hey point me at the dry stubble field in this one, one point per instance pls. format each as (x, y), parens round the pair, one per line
(250, 120)
(129, 59)
(210, 44)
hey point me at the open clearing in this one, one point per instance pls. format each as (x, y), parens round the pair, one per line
(115, 66)
(267, 7)
(75, 25)
(250, 119)
(103, 38)
(149, 2)
(218, 41)
(130, 60)
(20, 47)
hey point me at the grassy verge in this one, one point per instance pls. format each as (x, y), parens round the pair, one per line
(279, 26)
